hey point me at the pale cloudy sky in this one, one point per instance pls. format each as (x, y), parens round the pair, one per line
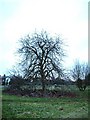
(69, 18)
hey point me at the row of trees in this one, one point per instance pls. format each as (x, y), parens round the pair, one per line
(41, 58)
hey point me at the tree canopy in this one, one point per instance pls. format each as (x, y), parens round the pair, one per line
(42, 56)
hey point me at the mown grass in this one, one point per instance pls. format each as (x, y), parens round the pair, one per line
(28, 107)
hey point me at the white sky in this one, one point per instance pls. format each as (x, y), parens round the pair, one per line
(69, 18)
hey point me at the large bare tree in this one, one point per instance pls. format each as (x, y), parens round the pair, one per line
(42, 56)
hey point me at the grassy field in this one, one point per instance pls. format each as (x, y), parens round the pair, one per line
(27, 107)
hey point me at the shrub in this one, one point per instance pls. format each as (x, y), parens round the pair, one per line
(16, 82)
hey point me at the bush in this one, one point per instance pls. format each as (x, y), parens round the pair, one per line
(81, 84)
(16, 82)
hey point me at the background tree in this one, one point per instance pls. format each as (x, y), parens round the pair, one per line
(4, 79)
(16, 82)
(42, 57)
(76, 71)
(79, 73)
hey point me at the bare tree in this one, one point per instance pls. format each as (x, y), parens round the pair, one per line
(80, 70)
(15, 70)
(79, 73)
(42, 56)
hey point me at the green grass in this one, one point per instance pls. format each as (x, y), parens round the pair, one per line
(28, 107)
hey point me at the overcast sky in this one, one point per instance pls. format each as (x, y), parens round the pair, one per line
(69, 18)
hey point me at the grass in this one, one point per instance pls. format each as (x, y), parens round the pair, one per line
(28, 107)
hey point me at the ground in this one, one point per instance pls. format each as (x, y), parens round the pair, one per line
(45, 107)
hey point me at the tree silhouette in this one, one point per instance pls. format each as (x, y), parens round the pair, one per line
(79, 73)
(42, 57)
(4, 79)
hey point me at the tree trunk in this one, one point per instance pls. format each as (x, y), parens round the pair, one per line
(43, 87)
